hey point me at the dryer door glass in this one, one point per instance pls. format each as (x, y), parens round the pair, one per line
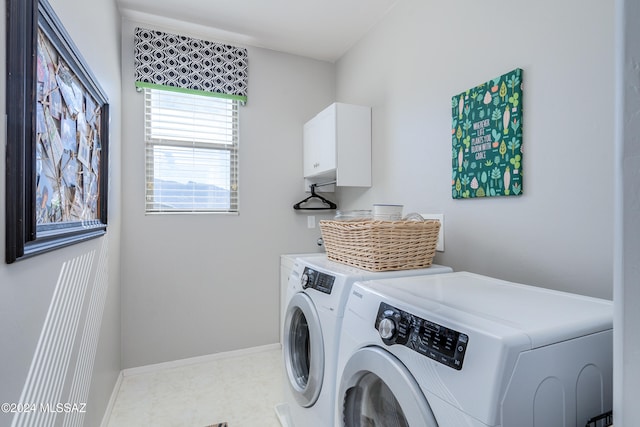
(370, 402)
(378, 390)
(303, 350)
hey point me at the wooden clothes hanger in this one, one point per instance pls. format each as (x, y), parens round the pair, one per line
(329, 204)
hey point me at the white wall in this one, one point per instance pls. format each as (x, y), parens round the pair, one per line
(28, 288)
(559, 233)
(627, 216)
(201, 284)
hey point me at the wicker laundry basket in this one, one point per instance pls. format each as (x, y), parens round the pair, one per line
(381, 245)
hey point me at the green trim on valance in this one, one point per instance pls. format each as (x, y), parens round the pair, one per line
(164, 60)
(144, 85)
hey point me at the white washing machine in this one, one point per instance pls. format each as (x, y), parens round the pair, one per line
(463, 350)
(287, 263)
(316, 295)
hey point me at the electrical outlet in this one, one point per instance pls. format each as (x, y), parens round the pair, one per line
(439, 217)
(311, 221)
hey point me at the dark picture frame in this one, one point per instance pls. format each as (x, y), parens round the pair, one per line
(57, 137)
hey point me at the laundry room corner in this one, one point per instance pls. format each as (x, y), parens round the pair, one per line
(204, 269)
(557, 233)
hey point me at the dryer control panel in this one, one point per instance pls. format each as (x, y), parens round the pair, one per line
(316, 280)
(430, 339)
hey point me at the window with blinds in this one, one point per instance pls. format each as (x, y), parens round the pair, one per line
(191, 152)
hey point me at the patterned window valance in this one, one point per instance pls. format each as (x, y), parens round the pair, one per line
(186, 64)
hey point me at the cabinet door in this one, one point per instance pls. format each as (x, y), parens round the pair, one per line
(319, 149)
(353, 142)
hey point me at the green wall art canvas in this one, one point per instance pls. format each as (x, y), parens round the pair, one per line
(486, 139)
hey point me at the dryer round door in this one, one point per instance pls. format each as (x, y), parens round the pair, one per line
(303, 349)
(376, 389)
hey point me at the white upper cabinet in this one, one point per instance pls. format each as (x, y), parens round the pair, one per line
(337, 146)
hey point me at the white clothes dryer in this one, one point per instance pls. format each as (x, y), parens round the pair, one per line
(463, 350)
(316, 295)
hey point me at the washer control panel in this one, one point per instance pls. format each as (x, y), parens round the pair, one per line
(430, 339)
(316, 280)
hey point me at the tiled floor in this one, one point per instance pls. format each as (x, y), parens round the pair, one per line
(241, 390)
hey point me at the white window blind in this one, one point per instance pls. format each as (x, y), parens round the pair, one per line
(191, 152)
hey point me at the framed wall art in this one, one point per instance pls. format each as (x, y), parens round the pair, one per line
(57, 137)
(486, 139)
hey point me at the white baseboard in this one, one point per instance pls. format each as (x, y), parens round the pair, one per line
(112, 401)
(156, 367)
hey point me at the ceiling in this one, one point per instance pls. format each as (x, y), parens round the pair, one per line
(320, 29)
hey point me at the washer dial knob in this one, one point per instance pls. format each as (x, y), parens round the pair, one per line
(304, 280)
(387, 328)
